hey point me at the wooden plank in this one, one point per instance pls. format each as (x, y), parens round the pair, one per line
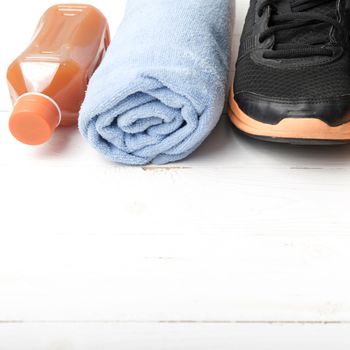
(173, 337)
(106, 276)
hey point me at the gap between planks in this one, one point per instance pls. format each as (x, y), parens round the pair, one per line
(306, 322)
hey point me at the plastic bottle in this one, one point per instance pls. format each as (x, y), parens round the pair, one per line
(48, 81)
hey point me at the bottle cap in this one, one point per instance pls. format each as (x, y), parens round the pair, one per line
(34, 118)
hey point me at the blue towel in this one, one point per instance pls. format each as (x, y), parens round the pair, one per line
(161, 88)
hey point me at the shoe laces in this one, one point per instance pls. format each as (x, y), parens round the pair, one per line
(298, 19)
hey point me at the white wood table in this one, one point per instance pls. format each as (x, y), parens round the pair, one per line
(244, 245)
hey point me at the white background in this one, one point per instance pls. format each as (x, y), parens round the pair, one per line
(244, 245)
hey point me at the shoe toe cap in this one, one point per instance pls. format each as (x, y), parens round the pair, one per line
(334, 111)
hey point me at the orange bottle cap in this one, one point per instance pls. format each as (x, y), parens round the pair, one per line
(34, 118)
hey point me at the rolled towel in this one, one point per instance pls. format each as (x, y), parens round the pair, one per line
(161, 88)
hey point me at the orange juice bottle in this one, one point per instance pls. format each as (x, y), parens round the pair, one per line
(48, 81)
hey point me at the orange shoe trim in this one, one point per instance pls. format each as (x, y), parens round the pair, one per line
(289, 128)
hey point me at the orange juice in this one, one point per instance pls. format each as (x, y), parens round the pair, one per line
(48, 81)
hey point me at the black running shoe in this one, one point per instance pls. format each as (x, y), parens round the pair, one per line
(292, 79)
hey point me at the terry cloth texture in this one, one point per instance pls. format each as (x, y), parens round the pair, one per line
(161, 88)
